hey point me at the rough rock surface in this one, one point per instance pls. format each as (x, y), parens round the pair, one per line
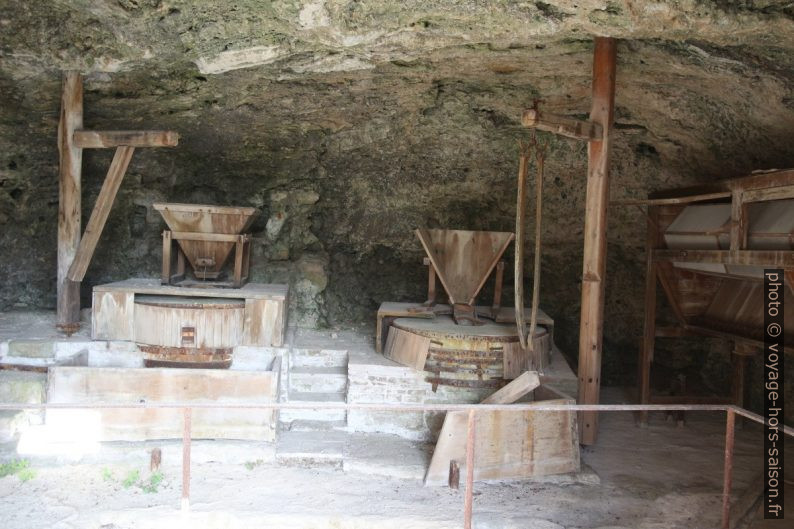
(350, 123)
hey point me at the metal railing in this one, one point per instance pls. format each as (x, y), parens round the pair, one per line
(472, 409)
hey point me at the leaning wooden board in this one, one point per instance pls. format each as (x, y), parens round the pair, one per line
(508, 444)
(83, 385)
(407, 348)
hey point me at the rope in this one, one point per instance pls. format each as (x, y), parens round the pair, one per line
(540, 156)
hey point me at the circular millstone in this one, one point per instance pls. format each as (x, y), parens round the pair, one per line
(445, 328)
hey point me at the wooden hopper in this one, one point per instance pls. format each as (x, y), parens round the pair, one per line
(206, 234)
(463, 261)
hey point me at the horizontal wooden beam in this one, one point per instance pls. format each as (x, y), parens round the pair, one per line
(213, 237)
(756, 181)
(562, 125)
(771, 258)
(672, 200)
(100, 139)
(769, 193)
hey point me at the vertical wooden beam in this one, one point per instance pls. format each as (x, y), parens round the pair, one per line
(71, 159)
(165, 276)
(738, 221)
(99, 215)
(595, 241)
(652, 242)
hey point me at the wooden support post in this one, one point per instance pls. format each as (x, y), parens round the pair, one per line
(497, 289)
(100, 213)
(238, 263)
(71, 159)
(595, 241)
(431, 283)
(738, 221)
(652, 242)
(165, 276)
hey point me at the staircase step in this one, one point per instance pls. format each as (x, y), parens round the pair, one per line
(311, 449)
(318, 379)
(287, 415)
(315, 357)
(302, 425)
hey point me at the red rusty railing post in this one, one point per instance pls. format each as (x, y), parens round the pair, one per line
(186, 460)
(469, 497)
(727, 476)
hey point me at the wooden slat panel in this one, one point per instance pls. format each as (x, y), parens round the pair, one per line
(509, 444)
(112, 316)
(407, 348)
(214, 327)
(464, 259)
(115, 385)
(264, 322)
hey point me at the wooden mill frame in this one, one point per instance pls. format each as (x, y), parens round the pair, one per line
(74, 251)
(663, 208)
(596, 132)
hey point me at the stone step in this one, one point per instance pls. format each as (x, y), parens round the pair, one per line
(21, 387)
(302, 425)
(287, 416)
(311, 449)
(316, 357)
(313, 379)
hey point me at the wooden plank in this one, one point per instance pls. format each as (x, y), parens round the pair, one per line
(273, 291)
(407, 348)
(112, 316)
(82, 385)
(98, 139)
(704, 197)
(263, 323)
(215, 237)
(389, 310)
(768, 193)
(517, 359)
(99, 215)
(509, 444)
(562, 125)
(595, 229)
(516, 389)
(69, 191)
(768, 258)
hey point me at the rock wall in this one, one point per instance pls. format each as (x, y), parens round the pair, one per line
(349, 124)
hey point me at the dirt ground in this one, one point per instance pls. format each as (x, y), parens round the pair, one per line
(661, 476)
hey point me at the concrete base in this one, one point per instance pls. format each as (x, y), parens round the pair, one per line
(671, 477)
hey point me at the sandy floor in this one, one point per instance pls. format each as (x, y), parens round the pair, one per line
(656, 477)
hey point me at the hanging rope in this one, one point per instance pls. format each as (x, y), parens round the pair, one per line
(540, 156)
(524, 155)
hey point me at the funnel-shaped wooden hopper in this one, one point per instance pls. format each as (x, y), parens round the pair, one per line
(206, 257)
(463, 260)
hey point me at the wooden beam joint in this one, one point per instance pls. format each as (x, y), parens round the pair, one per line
(100, 139)
(563, 125)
